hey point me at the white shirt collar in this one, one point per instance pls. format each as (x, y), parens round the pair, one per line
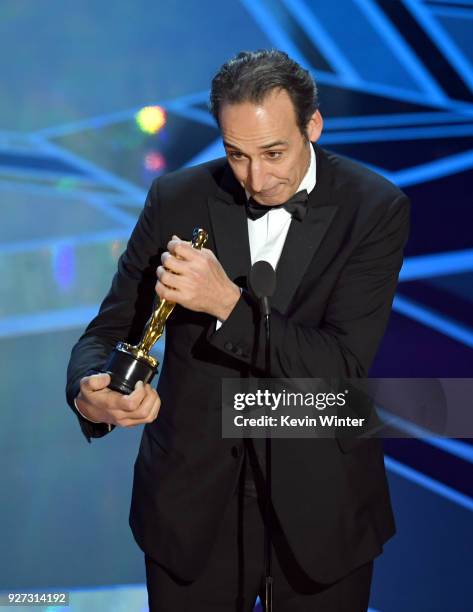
(309, 180)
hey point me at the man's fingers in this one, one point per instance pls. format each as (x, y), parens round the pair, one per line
(166, 293)
(171, 263)
(181, 250)
(168, 278)
(152, 416)
(96, 382)
(153, 413)
(145, 409)
(141, 406)
(145, 412)
(131, 402)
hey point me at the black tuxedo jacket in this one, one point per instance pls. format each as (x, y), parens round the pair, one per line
(335, 284)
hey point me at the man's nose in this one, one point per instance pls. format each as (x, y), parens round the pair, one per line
(256, 177)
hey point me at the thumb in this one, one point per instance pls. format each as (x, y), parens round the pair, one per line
(96, 382)
(175, 237)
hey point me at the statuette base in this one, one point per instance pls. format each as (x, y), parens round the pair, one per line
(126, 367)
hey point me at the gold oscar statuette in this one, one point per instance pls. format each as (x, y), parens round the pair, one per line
(128, 363)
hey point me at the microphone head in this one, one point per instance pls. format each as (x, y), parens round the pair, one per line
(262, 279)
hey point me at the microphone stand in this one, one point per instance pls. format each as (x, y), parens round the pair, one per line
(262, 280)
(268, 578)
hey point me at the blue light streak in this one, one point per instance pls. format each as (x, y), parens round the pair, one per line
(434, 320)
(428, 483)
(452, 447)
(99, 174)
(389, 120)
(452, 12)
(437, 264)
(395, 134)
(322, 40)
(434, 170)
(24, 246)
(401, 50)
(443, 41)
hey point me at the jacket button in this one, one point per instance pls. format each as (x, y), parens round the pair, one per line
(228, 346)
(238, 352)
(236, 451)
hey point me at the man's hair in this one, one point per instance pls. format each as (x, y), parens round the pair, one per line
(251, 75)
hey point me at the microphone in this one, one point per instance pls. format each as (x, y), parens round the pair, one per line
(262, 283)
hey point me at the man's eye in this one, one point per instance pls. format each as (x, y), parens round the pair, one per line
(274, 154)
(235, 155)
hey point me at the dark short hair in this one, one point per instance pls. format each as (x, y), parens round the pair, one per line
(251, 75)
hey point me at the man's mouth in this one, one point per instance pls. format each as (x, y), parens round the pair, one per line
(267, 193)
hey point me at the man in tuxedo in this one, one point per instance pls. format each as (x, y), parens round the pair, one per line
(337, 249)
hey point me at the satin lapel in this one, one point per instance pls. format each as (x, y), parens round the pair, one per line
(230, 229)
(302, 242)
(304, 237)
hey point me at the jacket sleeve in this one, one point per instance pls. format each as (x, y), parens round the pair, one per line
(356, 315)
(124, 311)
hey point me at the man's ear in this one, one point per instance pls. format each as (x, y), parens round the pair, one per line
(315, 126)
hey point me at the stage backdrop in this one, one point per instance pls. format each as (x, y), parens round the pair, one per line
(97, 99)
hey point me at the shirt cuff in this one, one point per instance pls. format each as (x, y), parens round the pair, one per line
(90, 420)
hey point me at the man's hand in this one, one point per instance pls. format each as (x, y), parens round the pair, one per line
(99, 403)
(195, 279)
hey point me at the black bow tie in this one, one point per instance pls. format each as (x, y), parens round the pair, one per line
(297, 206)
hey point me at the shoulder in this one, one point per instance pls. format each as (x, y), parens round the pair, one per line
(360, 193)
(354, 178)
(364, 198)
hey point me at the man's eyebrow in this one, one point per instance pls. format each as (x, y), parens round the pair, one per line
(228, 145)
(276, 143)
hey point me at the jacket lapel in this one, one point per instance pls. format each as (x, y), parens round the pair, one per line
(305, 237)
(302, 243)
(230, 229)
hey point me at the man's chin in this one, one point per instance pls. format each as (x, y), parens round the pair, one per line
(271, 198)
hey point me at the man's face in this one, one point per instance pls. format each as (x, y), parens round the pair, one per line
(265, 148)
